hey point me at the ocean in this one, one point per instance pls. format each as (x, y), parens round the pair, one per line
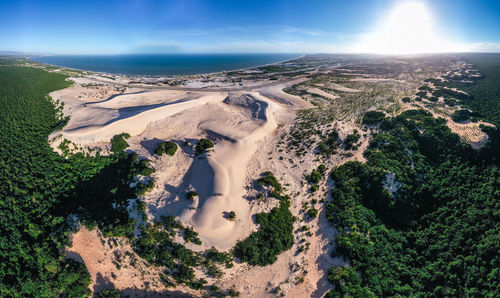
(164, 64)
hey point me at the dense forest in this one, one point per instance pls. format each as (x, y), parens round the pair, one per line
(39, 189)
(485, 92)
(421, 216)
(258, 249)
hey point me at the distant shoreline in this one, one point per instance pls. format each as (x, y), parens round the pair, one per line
(34, 59)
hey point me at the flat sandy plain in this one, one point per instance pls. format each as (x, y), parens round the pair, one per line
(247, 119)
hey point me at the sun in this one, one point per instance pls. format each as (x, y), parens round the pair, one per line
(408, 28)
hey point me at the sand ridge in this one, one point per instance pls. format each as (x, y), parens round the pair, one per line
(228, 164)
(136, 124)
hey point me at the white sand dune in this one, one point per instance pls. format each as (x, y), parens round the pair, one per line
(220, 178)
(136, 124)
(276, 92)
(144, 97)
(226, 167)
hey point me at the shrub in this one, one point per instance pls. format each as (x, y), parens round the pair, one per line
(351, 140)
(450, 102)
(373, 117)
(314, 177)
(214, 255)
(425, 88)
(118, 142)
(461, 115)
(144, 167)
(190, 235)
(422, 94)
(275, 233)
(168, 148)
(328, 145)
(269, 180)
(203, 145)
(406, 99)
(234, 293)
(191, 195)
(312, 213)
(231, 215)
(274, 236)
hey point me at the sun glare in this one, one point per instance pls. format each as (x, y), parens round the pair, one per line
(409, 28)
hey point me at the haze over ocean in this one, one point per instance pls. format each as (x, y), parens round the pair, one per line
(163, 64)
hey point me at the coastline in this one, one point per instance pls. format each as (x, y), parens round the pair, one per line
(163, 76)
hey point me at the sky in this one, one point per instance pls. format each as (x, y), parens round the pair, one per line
(241, 26)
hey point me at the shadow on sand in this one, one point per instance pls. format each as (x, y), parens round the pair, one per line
(103, 283)
(327, 232)
(202, 181)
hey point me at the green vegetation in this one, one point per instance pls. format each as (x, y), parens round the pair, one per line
(421, 94)
(347, 283)
(313, 212)
(212, 259)
(351, 140)
(106, 196)
(275, 233)
(231, 215)
(203, 145)
(157, 246)
(450, 102)
(329, 145)
(275, 68)
(425, 88)
(484, 93)
(269, 180)
(371, 95)
(190, 235)
(40, 189)
(118, 142)
(437, 234)
(314, 177)
(436, 82)
(233, 293)
(191, 194)
(373, 117)
(461, 115)
(168, 148)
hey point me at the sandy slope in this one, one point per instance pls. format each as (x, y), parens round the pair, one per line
(136, 124)
(144, 97)
(276, 93)
(228, 164)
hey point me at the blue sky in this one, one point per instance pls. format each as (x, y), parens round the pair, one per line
(221, 26)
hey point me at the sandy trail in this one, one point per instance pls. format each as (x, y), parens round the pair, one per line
(226, 167)
(337, 87)
(320, 92)
(136, 124)
(276, 93)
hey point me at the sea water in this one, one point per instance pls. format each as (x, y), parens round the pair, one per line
(163, 64)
